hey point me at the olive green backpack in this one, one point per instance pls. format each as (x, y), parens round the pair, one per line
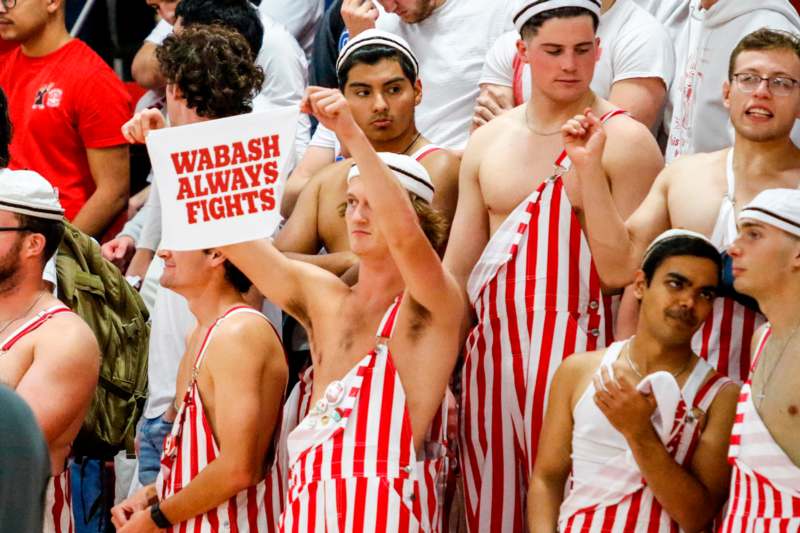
(96, 290)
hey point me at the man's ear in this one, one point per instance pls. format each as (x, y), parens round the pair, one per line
(215, 257)
(33, 244)
(726, 94)
(522, 50)
(54, 6)
(417, 92)
(639, 284)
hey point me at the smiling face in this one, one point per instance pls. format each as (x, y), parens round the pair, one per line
(562, 55)
(382, 99)
(760, 115)
(679, 298)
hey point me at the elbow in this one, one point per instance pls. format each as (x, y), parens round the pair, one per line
(242, 478)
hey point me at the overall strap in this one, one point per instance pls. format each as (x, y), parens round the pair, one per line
(762, 342)
(694, 382)
(730, 177)
(386, 328)
(207, 339)
(425, 151)
(34, 323)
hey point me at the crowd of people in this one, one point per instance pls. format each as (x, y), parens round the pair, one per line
(538, 270)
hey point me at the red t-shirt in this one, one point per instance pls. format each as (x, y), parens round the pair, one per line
(60, 105)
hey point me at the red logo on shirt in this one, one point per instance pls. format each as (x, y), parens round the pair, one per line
(47, 96)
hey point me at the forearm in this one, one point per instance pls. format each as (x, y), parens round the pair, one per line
(336, 263)
(214, 485)
(100, 209)
(140, 262)
(684, 498)
(609, 240)
(544, 501)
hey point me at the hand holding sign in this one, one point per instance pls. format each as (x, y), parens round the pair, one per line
(136, 129)
(219, 180)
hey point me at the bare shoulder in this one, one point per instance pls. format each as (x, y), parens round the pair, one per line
(67, 338)
(333, 175)
(487, 135)
(688, 166)
(245, 340)
(580, 364)
(441, 162)
(723, 408)
(626, 134)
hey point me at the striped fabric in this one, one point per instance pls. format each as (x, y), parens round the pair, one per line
(616, 499)
(58, 505)
(362, 473)
(191, 447)
(33, 324)
(765, 483)
(724, 339)
(537, 296)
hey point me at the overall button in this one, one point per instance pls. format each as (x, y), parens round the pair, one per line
(594, 304)
(595, 332)
(408, 469)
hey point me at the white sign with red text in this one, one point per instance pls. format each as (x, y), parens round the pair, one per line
(221, 181)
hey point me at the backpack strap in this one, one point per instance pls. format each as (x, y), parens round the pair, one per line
(33, 324)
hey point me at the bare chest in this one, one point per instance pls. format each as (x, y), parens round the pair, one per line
(16, 361)
(779, 407)
(694, 202)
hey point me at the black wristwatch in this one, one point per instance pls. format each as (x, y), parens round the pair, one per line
(158, 517)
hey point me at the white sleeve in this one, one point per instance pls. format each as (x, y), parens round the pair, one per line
(150, 235)
(643, 51)
(284, 64)
(160, 32)
(498, 68)
(324, 138)
(50, 274)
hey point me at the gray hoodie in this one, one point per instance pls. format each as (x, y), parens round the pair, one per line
(695, 116)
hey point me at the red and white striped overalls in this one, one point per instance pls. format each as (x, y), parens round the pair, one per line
(352, 461)
(58, 498)
(724, 339)
(765, 483)
(537, 296)
(191, 446)
(612, 497)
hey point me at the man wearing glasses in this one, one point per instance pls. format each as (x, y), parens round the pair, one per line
(704, 192)
(48, 355)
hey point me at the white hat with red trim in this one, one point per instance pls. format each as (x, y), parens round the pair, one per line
(777, 207)
(408, 171)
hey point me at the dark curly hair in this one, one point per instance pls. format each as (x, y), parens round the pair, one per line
(213, 68)
(239, 15)
(5, 130)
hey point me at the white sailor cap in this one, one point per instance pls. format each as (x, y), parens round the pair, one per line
(28, 193)
(408, 171)
(777, 207)
(531, 8)
(373, 37)
(675, 233)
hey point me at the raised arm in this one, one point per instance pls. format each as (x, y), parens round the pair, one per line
(426, 279)
(615, 177)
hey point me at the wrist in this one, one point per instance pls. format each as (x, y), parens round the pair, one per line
(158, 517)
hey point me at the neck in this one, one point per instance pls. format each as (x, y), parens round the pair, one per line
(651, 354)
(763, 159)
(547, 114)
(782, 307)
(607, 4)
(378, 279)
(53, 36)
(210, 302)
(707, 4)
(405, 143)
(16, 299)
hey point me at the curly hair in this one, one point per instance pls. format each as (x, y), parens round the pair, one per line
(5, 130)
(212, 67)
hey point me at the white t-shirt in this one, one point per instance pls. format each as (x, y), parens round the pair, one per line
(632, 45)
(451, 45)
(285, 72)
(672, 14)
(695, 115)
(300, 17)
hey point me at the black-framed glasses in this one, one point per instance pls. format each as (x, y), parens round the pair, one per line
(9, 4)
(778, 85)
(14, 228)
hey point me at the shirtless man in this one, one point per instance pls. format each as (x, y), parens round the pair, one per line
(627, 473)
(765, 445)
(763, 97)
(534, 290)
(47, 353)
(219, 469)
(384, 402)
(378, 77)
